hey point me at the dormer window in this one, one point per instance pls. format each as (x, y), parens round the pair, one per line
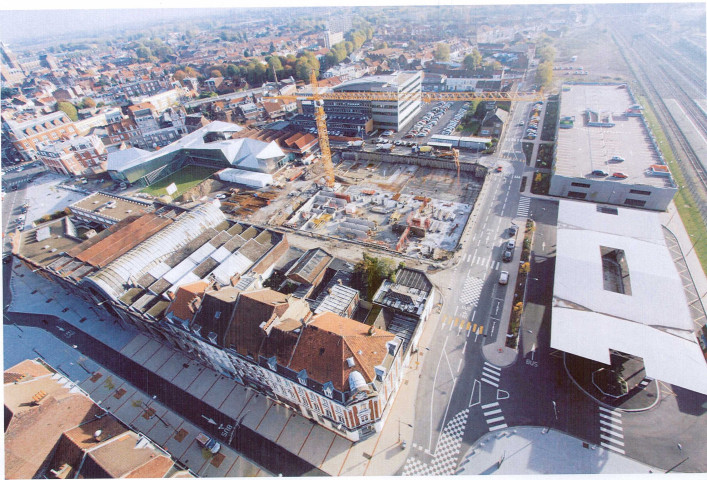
(328, 388)
(217, 314)
(302, 377)
(272, 363)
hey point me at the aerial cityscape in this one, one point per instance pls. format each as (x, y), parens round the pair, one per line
(355, 240)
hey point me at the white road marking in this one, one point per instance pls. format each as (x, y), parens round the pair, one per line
(473, 389)
(613, 448)
(489, 381)
(490, 405)
(490, 365)
(612, 440)
(495, 419)
(498, 427)
(610, 425)
(614, 419)
(612, 412)
(611, 432)
(492, 412)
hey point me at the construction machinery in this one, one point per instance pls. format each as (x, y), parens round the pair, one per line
(320, 117)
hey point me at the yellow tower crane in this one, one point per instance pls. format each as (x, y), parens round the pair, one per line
(318, 99)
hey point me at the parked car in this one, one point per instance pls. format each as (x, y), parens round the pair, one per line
(208, 443)
(600, 173)
(512, 230)
(619, 175)
(617, 159)
(507, 255)
(503, 278)
(511, 244)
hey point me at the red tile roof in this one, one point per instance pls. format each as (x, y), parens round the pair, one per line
(183, 306)
(122, 240)
(329, 340)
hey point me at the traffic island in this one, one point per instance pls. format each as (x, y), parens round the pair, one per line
(513, 332)
(622, 384)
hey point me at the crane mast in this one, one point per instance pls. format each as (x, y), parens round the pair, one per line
(322, 132)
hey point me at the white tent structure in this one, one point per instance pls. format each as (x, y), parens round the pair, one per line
(617, 288)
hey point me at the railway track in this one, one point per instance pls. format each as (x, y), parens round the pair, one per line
(656, 87)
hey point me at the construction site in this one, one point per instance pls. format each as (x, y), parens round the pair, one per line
(419, 211)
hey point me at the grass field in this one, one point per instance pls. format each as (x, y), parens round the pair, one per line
(185, 179)
(684, 201)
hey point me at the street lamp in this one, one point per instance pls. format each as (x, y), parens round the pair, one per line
(554, 407)
(399, 423)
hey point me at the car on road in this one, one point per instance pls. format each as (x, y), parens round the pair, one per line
(522, 123)
(507, 255)
(617, 159)
(208, 443)
(619, 175)
(600, 173)
(511, 244)
(503, 278)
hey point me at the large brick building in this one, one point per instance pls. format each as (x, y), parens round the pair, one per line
(28, 135)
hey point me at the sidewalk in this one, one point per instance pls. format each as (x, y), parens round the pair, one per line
(529, 451)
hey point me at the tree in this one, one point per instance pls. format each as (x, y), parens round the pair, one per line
(143, 52)
(472, 61)
(88, 102)
(68, 109)
(370, 272)
(179, 75)
(272, 48)
(525, 267)
(190, 72)
(216, 73)
(441, 52)
(232, 71)
(543, 74)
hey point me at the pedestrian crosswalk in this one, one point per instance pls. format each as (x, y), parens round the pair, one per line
(493, 416)
(484, 262)
(446, 451)
(469, 327)
(471, 291)
(523, 207)
(490, 374)
(611, 430)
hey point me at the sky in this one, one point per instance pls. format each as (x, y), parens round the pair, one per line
(43, 22)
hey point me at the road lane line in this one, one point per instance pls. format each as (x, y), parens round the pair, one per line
(464, 349)
(459, 367)
(473, 389)
(434, 383)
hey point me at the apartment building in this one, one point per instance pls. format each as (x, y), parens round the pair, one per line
(75, 156)
(27, 135)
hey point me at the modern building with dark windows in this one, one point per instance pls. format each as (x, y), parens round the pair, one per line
(388, 115)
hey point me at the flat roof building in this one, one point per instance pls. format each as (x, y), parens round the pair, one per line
(389, 115)
(605, 152)
(616, 284)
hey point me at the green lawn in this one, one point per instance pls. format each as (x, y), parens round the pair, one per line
(684, 201)
(185, 179)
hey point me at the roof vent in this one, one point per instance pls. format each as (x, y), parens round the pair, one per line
(97, 435)
(213, 336)
(350, 362)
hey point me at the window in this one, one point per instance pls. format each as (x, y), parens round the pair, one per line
(580, 195)
(639, 192)
(615, 270)
(580, 184)
(634, 203)
(607, 210)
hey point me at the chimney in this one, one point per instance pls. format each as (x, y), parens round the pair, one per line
(371, 331)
